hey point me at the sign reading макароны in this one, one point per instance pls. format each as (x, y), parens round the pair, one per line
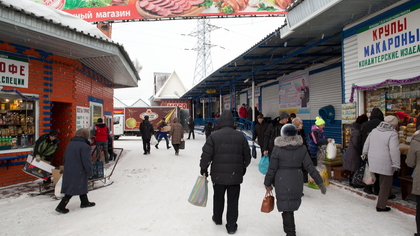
(390, 39)
(13, 71)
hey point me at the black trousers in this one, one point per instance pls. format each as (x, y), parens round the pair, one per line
(232, 202)
(189, 133)
(418, 213)
(146, 145)
(176, 147)
(314, 161)
(289, 223)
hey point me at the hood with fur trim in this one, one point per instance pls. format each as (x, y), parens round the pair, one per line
(283, 141)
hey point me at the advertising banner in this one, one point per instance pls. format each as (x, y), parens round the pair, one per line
(294, 94)
(118, 10)
(226, 102)
(256, 92)
(135, 115)
(82, 117)
(390, 39)
(13, 71)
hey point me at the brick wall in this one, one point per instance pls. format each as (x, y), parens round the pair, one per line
(61, 84)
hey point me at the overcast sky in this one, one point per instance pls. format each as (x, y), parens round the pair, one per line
(161, 47)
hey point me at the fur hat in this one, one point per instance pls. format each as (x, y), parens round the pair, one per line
(319, 121)
(392, 120)
(284, 115)
(289, 130)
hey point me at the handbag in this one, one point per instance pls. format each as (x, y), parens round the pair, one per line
(182, 144)
(198, 196)
(254, 151)
(153, 140)
(357, 180)
(268, 202)
(264, 163)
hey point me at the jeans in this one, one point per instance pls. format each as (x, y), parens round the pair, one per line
(167, 141)
(232, 202)
(189, 133)
(100, 144)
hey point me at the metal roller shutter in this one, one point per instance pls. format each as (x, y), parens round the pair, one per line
(270, 101)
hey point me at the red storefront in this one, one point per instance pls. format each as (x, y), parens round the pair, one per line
(54, 75)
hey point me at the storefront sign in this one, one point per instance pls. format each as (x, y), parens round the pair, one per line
(213, 99)
(82, 117)
(13, 71)
(180, 105)
(294, 94)
(256, 92)
(226, 102)
(391, 39)
(118, 10)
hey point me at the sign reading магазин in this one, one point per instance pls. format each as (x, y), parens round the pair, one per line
(13, 71)
(391, 39)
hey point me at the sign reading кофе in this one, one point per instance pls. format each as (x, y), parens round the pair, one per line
(390, 39)
(13, 71)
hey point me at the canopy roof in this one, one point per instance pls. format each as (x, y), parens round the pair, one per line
(312, 35)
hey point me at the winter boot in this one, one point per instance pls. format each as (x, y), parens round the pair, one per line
(61, 208)
(289, 223)
(85, 202)
(231, 229)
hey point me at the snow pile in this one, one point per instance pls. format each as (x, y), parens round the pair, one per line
(57, 16)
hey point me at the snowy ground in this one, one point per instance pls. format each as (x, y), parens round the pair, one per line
(149, 197)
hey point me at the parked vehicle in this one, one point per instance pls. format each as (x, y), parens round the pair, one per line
(128, 123)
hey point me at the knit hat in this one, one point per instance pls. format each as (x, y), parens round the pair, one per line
(400, 116)
(53, 133)
(392, 120)
(319, 121)
(289, 130)
(260, 117)
(284, 115)
(100, 120)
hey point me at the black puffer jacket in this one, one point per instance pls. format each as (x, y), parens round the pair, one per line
(272, 132)
(227, 150)
(376, 118)
(285, 171)
(146, 129)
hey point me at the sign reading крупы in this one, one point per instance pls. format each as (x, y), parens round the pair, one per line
(13, 71)
(390, 39)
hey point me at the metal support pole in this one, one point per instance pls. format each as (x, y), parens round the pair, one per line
(203, 110)
(253, 98)
(220, 102)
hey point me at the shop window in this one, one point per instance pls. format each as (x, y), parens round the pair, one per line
(17, 122)
(95, 113)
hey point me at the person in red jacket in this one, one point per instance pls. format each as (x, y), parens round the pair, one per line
(242, 111)
(100, 132)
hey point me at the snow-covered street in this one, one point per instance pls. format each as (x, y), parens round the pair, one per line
(149, 197)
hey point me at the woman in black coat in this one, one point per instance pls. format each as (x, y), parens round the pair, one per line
(285, 172)
(77, 170)
(352, 160)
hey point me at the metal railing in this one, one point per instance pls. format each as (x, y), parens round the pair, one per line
(240, 123)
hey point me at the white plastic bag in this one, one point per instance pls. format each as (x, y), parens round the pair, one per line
(331, 150)
(153, 140)
(369, 178)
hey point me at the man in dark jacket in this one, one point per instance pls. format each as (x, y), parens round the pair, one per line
(191, 125)
(249, 112)
(208, 128)
(228, 152)
(259, 132)
(46, 146)
(146, 129)
(376, 117)
(273, 131)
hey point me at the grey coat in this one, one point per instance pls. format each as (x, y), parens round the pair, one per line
(285, 171)
(352, 160)
(77, 167)
(383, 149)
(413, 157)
(177, 132)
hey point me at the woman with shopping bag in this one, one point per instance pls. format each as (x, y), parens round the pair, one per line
(285, 172)
(383, 151)
(177, 134)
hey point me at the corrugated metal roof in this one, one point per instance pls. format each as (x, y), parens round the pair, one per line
(314, 40)
(109, 59)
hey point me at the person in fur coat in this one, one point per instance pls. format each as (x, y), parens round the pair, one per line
(285, 172)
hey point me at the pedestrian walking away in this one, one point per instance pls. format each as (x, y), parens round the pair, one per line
(383, 155)
(259, 132)
(146, 130)
(228, 153)
(161, 134)
(100, 133)
(285, 173)
(177, 134)
(191, 126)
(77, 170)
(208, 128)
(273, 131)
